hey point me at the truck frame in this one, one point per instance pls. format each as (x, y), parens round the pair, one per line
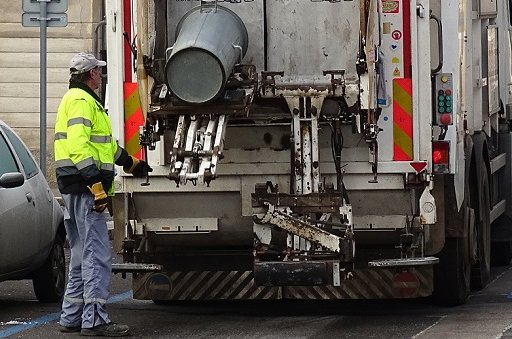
(312, 149)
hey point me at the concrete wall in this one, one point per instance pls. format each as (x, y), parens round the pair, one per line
(19, 67)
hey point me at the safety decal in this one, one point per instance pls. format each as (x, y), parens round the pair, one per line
(133, 118)
(397, 35)
(390, 6)
(386, 27)
(396, 72)
(395, 60)
(402, 120)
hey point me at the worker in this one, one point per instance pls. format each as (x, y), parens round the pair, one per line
(85, 153)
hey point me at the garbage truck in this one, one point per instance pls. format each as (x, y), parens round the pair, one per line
(355, 149)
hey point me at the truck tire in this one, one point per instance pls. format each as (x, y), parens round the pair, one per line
(501, 243)
(50, 280)
(481, 270)
(501, 253)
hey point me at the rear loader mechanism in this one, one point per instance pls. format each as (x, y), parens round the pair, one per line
(304, 236)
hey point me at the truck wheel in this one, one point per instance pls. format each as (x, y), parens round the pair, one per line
(501, 253)
(49, 280)
(481, 271)
(501, 243)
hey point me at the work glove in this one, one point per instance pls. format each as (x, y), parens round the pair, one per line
(138, 168)
(100, 197)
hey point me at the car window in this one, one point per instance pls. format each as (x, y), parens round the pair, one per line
(28, 163)
(8, 164)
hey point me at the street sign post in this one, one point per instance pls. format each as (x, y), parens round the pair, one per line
(52, 20)
(52, 6)
(43, 13)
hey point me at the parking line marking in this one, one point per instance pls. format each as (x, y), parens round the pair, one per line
(428, 328)
(55, 316)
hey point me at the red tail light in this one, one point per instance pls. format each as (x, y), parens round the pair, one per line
(441, 156)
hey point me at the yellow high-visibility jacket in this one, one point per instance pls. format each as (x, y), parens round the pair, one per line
(85, 151)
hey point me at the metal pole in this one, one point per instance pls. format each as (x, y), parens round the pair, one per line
(42, 87)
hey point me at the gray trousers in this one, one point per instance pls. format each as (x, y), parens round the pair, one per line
(90, 265)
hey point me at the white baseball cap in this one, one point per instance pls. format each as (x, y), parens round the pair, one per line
(83, 62)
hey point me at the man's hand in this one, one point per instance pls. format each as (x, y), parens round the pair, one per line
(100, 197)
(138, 168)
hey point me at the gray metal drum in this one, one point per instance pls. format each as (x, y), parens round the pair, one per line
(207, 47)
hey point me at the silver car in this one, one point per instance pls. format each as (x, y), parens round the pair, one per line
(32, 230)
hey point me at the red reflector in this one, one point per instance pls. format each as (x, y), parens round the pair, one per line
(418, 166)
(405, 285)
(441, 152)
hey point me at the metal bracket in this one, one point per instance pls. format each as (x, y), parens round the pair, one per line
(268, 81)
(197, 145)
(370, 134)
(420, 11)
(335, 82)
(135, 268)
(208, 5)
(385, 263)
(332, 242)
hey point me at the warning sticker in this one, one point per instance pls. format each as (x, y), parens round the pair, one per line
(396, 72)
(390, 6)
(397, 35)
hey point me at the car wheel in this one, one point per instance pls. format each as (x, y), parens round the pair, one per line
(49, 281)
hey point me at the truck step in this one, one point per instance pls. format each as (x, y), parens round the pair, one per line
(136, 268)
(403, 262)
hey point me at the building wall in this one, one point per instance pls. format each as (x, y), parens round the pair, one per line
(19, 67)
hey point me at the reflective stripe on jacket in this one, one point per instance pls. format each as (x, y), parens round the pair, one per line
(85, 150)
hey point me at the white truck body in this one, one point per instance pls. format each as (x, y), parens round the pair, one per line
(366, 156)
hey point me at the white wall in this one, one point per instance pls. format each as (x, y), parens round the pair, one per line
(19, 67)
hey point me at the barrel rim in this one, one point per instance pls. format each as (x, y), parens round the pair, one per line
(235, 16)
(224, 78)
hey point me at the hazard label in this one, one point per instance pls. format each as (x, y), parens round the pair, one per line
(390, 6)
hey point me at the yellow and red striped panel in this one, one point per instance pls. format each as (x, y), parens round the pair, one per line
(133, 119)
(402, 119)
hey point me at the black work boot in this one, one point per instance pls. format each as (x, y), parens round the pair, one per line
(106, 330)
(69, 329)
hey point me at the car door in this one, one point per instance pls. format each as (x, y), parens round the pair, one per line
(43, 199)
(18, 217)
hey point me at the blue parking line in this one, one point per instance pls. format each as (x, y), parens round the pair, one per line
(55, 316)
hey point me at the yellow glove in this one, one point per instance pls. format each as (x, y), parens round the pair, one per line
(139, 168)
(100, 197)
(135, 162)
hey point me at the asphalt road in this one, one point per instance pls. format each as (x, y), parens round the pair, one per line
(488, 314)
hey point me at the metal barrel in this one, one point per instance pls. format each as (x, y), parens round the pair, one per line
(207, 47)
